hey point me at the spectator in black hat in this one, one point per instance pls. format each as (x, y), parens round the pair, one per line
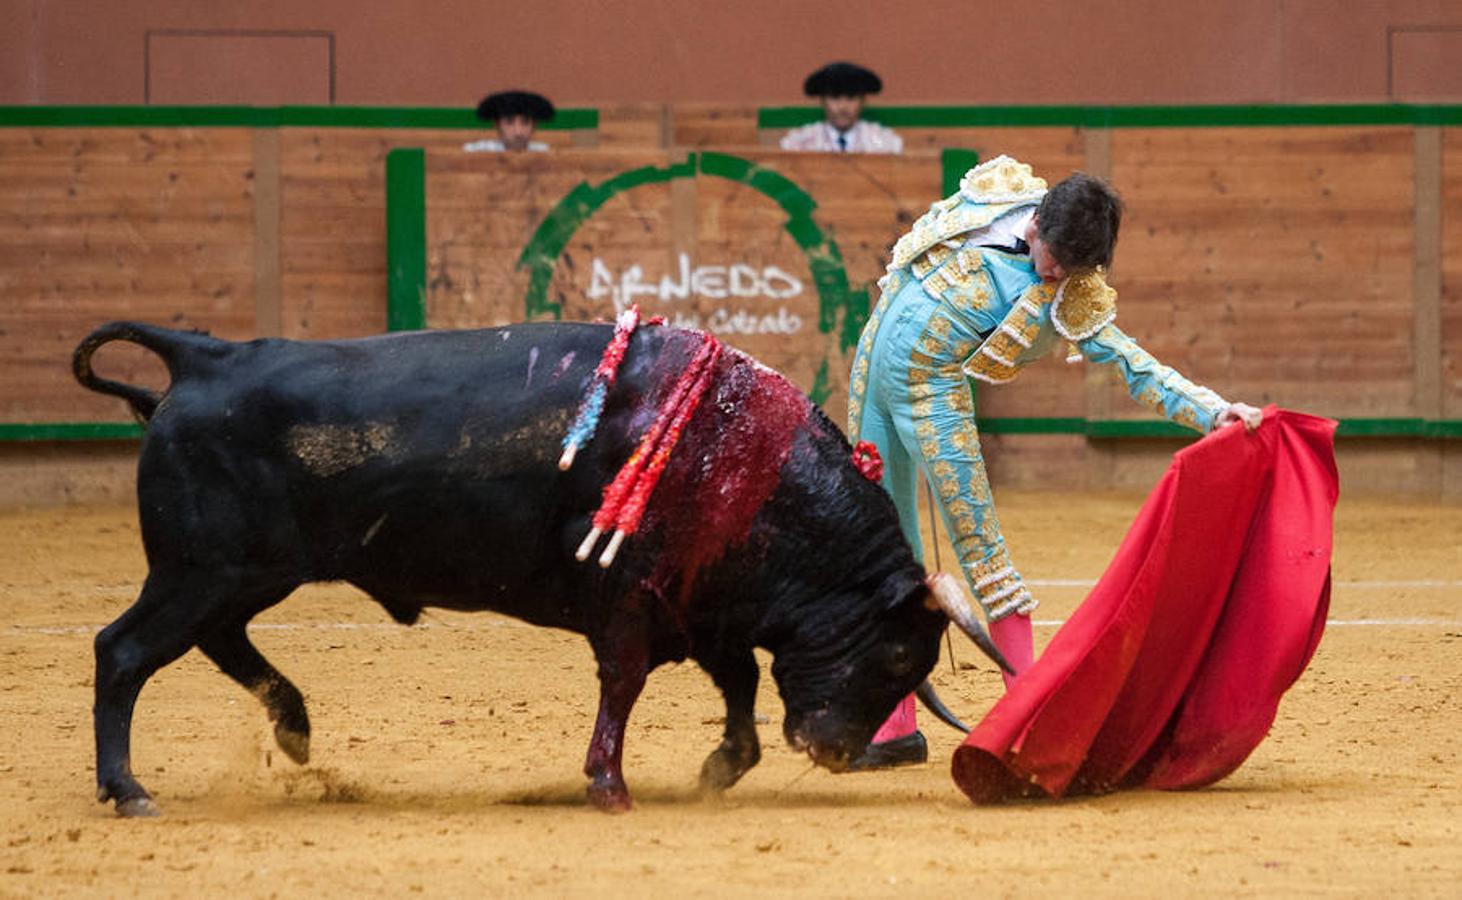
(842, 88)
(516, 114)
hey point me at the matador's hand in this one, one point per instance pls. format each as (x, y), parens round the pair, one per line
(1240, 412)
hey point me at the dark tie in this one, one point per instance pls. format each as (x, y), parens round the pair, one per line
(1018, 247)
(842, 142)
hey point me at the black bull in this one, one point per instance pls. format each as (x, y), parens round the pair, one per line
(422, 468)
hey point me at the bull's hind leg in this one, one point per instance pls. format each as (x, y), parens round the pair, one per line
(161, 626)
(172, 615)
(230, 648)
(736, 675)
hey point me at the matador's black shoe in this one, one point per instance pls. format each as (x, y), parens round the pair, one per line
(908, 750)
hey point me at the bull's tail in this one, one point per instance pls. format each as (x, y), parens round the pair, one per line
(168, 344)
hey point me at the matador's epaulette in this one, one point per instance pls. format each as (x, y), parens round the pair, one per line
(1084, 304)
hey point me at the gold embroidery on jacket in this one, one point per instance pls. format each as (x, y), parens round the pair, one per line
(1083, 305)
(997, 359)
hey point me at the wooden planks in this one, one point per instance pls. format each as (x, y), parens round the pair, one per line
(1450, 301)
(708, 246)
(713, 125)
(638, 126)
(1451, 273)
(333, 225)
(1273, 264)
(103, 224)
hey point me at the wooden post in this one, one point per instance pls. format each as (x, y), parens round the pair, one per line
(1426, 296)
(1100, 456)
(268, 287)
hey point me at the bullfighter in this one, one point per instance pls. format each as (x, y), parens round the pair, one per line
(987, 281)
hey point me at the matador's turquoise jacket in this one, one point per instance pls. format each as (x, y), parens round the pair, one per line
(952, 307)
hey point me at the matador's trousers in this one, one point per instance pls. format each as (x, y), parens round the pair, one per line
(910, 399)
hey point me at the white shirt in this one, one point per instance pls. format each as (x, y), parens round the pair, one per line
(493, 145)
(1004, 231)
(863, 137)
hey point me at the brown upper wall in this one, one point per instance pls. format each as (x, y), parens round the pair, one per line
(449, 52)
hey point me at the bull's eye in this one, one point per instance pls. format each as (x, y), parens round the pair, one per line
(900, 660)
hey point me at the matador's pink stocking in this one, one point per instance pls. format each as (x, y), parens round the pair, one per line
(1013, 636)
(899, 724)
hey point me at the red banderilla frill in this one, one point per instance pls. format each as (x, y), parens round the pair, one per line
(867, 461)
(627, 496)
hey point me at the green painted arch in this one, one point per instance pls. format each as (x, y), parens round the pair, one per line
(834, 294)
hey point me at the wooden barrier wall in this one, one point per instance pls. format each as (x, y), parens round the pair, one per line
(781, 282)
(1317, 266)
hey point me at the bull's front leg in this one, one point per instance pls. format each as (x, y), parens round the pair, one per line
(623, 665)
(736, 675)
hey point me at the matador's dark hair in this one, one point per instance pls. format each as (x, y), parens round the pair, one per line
(1079, 219)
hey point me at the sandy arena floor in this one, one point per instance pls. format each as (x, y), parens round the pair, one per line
(446, 757)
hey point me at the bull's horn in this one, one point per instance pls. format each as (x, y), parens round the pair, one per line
(931, 701)
(946, 595)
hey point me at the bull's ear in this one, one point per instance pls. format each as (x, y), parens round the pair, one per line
(899, 589)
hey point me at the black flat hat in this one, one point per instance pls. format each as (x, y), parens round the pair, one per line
(841, 79)
(515, 103)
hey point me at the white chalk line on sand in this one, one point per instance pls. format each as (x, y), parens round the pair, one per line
(507, 623)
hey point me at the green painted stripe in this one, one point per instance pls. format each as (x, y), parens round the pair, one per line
(788, 195)
(1150, 428)
(465, 118)
(406, 239)
(1422, 428)
(1382, 428)
(954, 162)
(540, 254)
(1095, 428)
(139, 116)
(1357, 428)
(271, 117)
(1014, 425)
(1129, 116)
(1137, 428)
(69, 431)
(1253, 116)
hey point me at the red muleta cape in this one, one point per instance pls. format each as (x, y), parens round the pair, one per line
(1170, 673)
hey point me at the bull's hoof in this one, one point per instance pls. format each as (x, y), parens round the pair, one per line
(138, 808)
(720, 771)
(295, 744)
(610, 798)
